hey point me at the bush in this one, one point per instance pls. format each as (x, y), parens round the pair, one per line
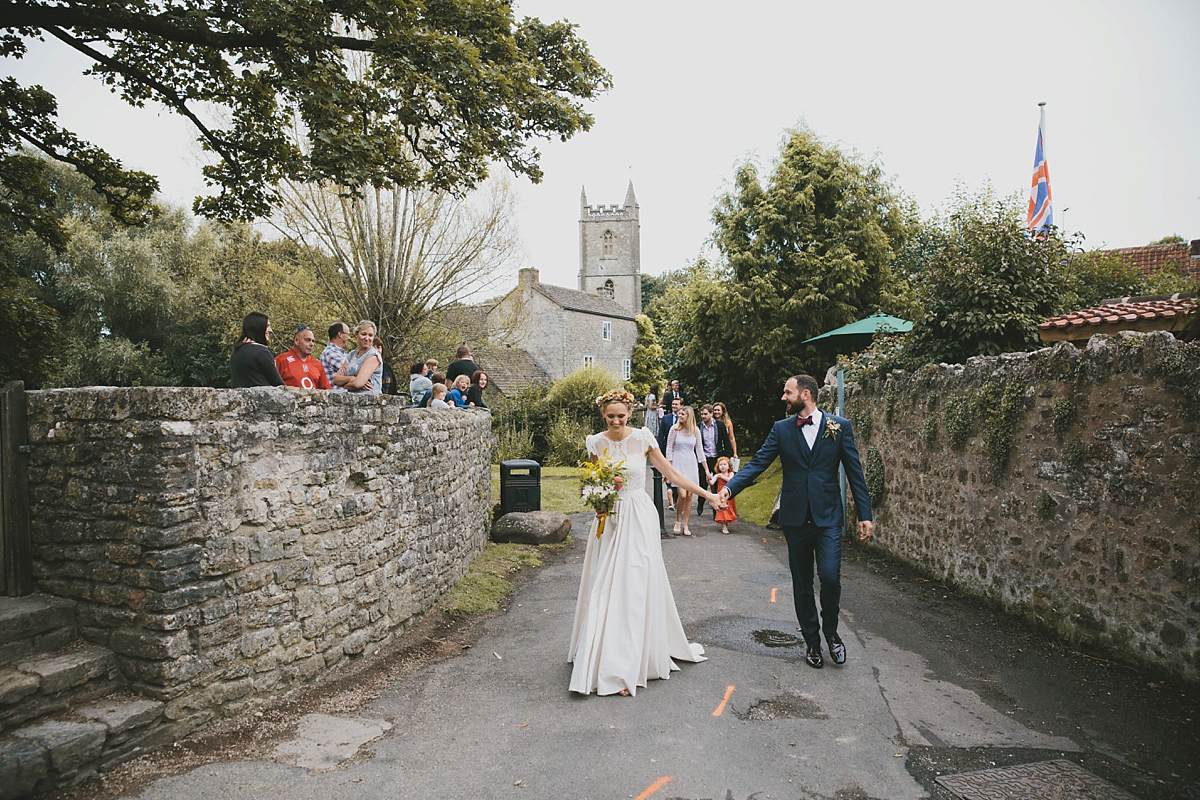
(520, 417)
(513, 443)
(565, 445)
(575, 395)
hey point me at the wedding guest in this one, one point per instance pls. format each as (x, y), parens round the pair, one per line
(334, 354)
(387, 382)
(431, 366)
(297, 367)
(363, 370)
(436, 378)
(438, 395)
(686, 454)
(721, 414)
(251, 363)
(419, 385)
(458, 394)
(479, 382)
(723, 475)
(664, 429)
(653, 411)
(463, 364)
(671, 393)
(716, 444)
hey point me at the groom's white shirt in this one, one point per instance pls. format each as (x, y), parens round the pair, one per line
(810, 431)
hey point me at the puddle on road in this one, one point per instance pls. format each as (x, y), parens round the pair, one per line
(771, 638)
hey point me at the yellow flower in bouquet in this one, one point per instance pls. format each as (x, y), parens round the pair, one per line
(599, 484)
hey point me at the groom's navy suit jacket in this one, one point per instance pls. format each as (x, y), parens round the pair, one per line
(810, 477)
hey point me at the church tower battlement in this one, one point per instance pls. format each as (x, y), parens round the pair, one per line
(610, 257)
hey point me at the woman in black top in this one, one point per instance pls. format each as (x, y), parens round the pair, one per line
(252, 363)
(479, 382)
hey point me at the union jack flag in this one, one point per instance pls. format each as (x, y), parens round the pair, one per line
(1041, 213)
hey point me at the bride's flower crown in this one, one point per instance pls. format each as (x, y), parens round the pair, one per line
(615, 396)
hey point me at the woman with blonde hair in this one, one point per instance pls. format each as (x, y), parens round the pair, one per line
(627, 629)
(721, 415)
(685, 451)
(363, 370)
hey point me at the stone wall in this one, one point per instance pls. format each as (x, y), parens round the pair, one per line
(1062, 484)
(232, 544)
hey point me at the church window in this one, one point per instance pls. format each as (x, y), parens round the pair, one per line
(607, 289)
(626, 368)
(589, 361)
(606, 331)
(608, 244)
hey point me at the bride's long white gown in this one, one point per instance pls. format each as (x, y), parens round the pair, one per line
(627, 629)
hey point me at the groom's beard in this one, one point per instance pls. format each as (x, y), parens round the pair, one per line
(795, 409)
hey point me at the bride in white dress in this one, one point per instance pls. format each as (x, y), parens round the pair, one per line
(627, 629)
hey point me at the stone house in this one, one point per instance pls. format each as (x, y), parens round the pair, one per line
(562, 329)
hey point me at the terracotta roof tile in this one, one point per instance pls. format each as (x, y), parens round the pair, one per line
(1152, 257)
(1165, 313)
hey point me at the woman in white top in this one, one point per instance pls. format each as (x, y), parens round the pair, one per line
(363, 370)
(685, 451)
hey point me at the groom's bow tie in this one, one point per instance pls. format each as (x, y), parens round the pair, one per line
(802, 421)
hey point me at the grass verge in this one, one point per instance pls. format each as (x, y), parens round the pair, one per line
(489, 580)
(754, 503)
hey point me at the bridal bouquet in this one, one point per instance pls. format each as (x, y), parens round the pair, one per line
(599, 484)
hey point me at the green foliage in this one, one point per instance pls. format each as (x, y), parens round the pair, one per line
(984, 282)
(1045, 506)
(1173, 238)
(1063, 414)
(805, 251)
(575, 395)
(565, 441)
(956, 415)
(29, 329)
(416, 94)
(929, 433)
(653, 287)
(523, 414)
(862, 424)
(487, 583)
(1096, 275)
(997, 413)
(512, 443)
(156, 305)
(876, 480)
(647, 367)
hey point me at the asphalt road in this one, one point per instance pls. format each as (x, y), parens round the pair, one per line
(935, 684)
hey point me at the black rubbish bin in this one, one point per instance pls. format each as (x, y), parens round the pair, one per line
(520, 486)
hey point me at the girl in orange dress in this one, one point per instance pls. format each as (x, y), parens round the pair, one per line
(724, 474)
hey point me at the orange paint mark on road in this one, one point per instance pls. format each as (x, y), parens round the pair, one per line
(654, 787)
(728, 692)
(773, 590)
(764, 538)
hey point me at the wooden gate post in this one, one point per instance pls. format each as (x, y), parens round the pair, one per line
(16, 577)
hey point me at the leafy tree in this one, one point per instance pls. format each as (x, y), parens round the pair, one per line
(806, 252)
(157, 305)
(1096, 275)
(448, 87)
(647, 367)
(985, 282)
(1173, 238)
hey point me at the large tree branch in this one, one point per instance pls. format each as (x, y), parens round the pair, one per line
(169, 26)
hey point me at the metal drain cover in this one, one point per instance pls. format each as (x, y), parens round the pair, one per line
(1047, 780)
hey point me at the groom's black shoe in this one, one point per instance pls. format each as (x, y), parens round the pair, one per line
(837, 650)
(813, 658)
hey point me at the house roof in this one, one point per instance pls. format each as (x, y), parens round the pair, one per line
(510, 369)
(574, 300)
(1152, 257)
(1159, 313)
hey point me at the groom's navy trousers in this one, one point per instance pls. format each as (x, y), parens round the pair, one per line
(809, 544)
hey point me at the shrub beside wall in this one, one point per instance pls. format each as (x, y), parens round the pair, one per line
(1063, 484)
(232, 544)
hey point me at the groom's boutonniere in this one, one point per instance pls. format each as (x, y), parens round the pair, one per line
(832, 429)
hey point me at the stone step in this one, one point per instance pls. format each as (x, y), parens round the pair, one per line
(33, 624)
(49, 753)
(49, 683)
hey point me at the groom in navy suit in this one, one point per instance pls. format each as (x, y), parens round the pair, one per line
(812, 444)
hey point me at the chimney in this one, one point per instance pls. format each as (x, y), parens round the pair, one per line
(526, 277)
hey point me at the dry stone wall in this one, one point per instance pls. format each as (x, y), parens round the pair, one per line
(1062, 484)
(230, 544)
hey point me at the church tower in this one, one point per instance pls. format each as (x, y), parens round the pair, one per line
(610, 251)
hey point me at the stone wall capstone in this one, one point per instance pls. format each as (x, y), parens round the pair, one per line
(230, 544)
(1061, 484)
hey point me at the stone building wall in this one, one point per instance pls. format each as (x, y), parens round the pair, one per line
(1062, 484)
(227, 544)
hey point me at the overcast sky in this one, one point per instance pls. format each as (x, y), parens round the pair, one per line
(940, 93)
